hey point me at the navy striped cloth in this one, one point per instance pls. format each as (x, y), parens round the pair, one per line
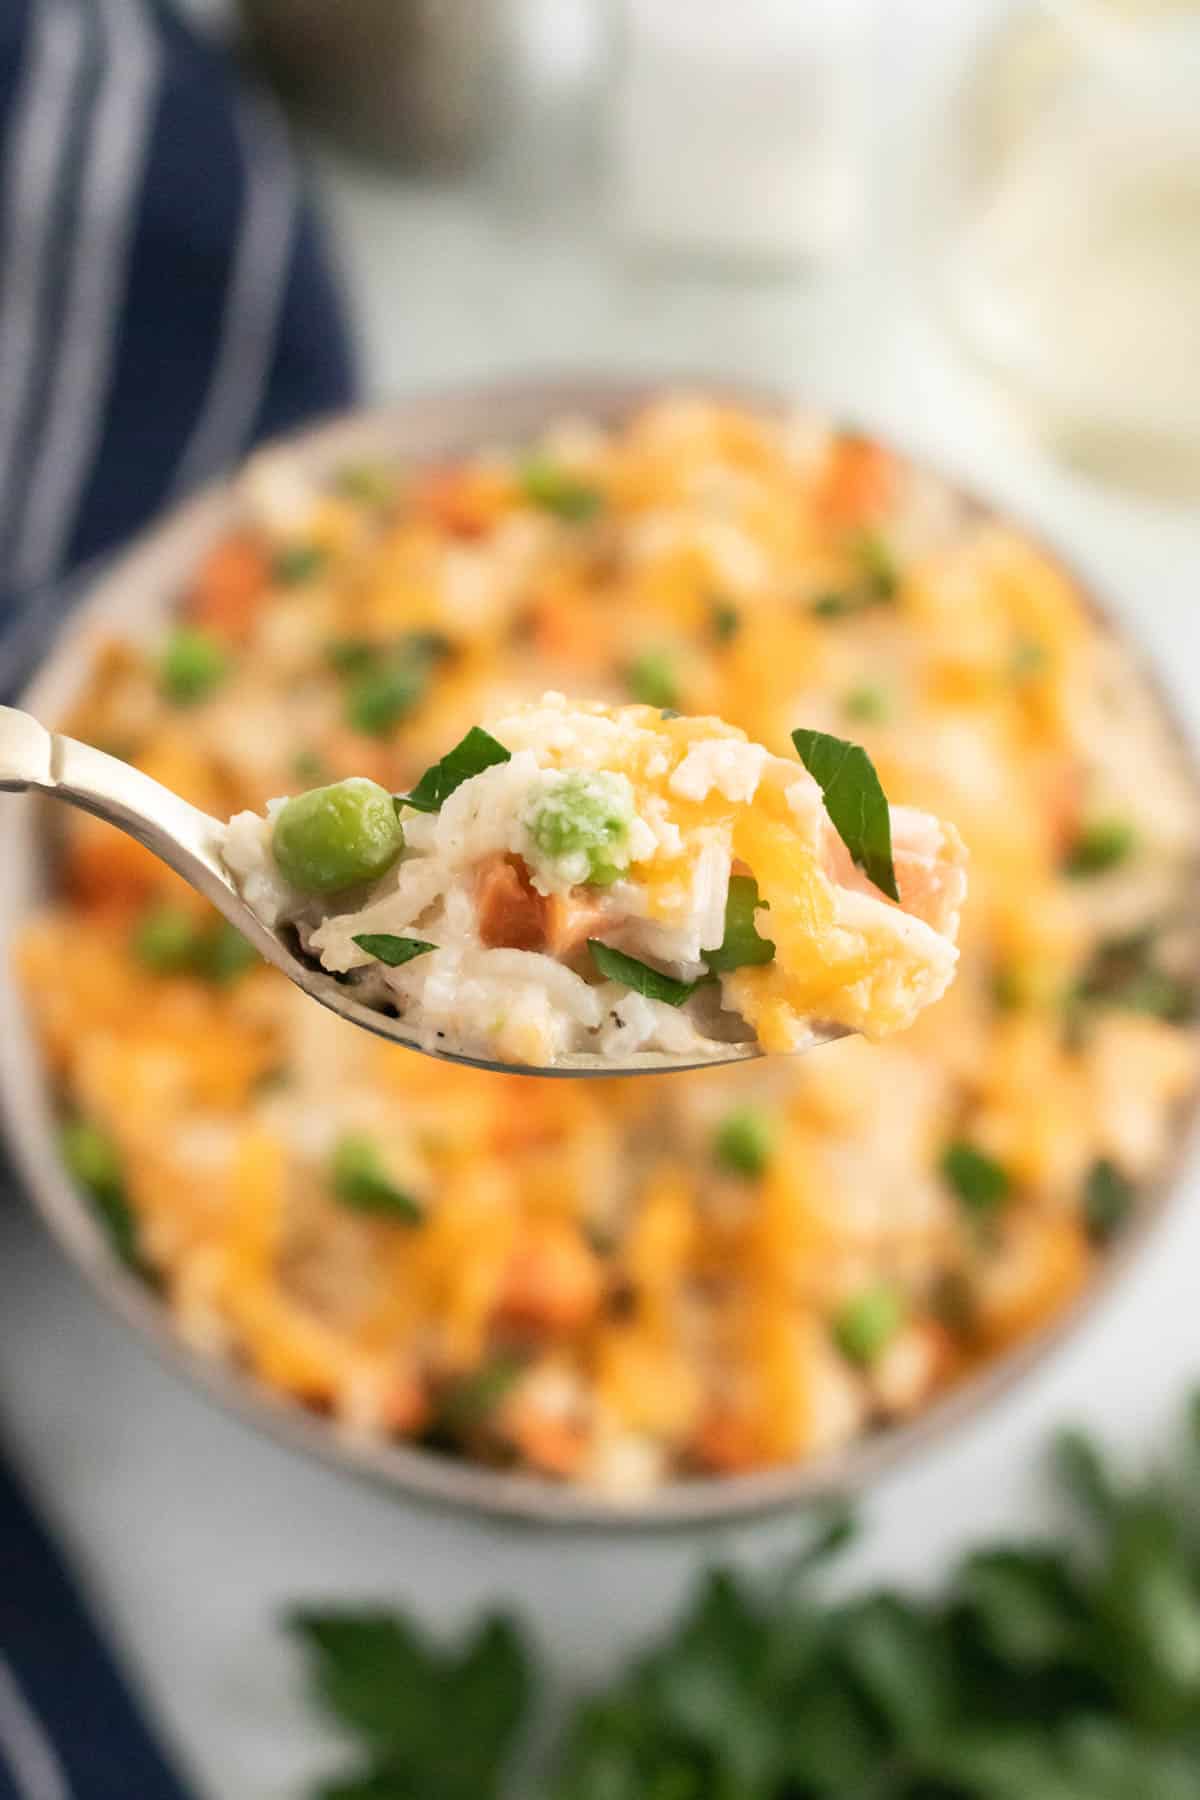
(165, 301)
(164, 296)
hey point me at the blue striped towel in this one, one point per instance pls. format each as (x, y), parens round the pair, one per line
(164, 302)
(164, 296)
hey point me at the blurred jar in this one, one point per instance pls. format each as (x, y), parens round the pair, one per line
(403, 80)
(1069, 252)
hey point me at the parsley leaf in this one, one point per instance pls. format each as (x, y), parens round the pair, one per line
(471, 1401)
(1108, 1198)
(471, 756)
(980, 1182)
(1126, 972)
(1100, 846)
(855, 802)
(555, 490)
(361, 1182)
(432, 1723)
(1065, 1669)
(385, 947)
(741, 946)
(725, 620)
(298, 563)
(639, 975)
(94, 1164)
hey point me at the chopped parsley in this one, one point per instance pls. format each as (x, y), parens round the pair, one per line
(1108, 1198)
(361, 1182)
(1029, 658)
(94, 1163)
(880, 571)
(725, 621)
(877, 583)
(616, 966)
(1125, 972)
(980, 1182)
(855, 801)
(395, 951)
(1100, 846)
(741, 946)
(474, 753)
(469, 1403)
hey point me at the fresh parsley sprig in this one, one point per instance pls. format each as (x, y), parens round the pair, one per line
(478, 751)
(855, 801)
(395, 951)
(1061, 1669)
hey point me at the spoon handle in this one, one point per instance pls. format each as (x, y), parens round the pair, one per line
(32, 758)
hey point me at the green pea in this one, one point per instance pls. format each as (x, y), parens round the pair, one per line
(165, 939)
(866, 1324)
(223, 954)
(585, 814)
(556, 490)
(94, 1163)
(867, 705)
(652, 680)
(1101, 846)
(744, 1141)
(91, 1157)
(336, 837)
(193, 664)
(379, 698)
(297, 564)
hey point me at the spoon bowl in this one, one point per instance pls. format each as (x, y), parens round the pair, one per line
(33, 759)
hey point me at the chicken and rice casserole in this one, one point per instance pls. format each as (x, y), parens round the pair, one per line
(615, 1283)
(590, 879)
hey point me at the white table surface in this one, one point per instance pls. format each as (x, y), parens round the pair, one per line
(194, 1532)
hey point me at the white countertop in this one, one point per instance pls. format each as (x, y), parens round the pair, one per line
(195, 1532)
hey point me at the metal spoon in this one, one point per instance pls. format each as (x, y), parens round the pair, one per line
(189, 841)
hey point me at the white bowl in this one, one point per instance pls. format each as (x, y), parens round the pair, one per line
(133, 597)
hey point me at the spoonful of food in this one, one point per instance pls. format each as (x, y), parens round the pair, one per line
(577, 890)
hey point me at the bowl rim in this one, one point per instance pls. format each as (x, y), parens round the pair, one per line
(135, 592)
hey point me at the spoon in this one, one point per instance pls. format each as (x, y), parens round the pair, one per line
(189, 841)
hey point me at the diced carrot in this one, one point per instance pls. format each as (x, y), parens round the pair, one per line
(726, 1442)
(408, 1407)
(552, 1283)
(229, 586)
(553, 1445)
(512, 915)
(462, 501)
(106, 871)
(571, 919)
(858, 484)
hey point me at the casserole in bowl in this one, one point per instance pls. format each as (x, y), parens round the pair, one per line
(717, 1292)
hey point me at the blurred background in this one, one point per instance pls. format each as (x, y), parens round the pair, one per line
(970, 225)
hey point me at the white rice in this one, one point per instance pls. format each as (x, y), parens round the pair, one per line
(468, 996)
